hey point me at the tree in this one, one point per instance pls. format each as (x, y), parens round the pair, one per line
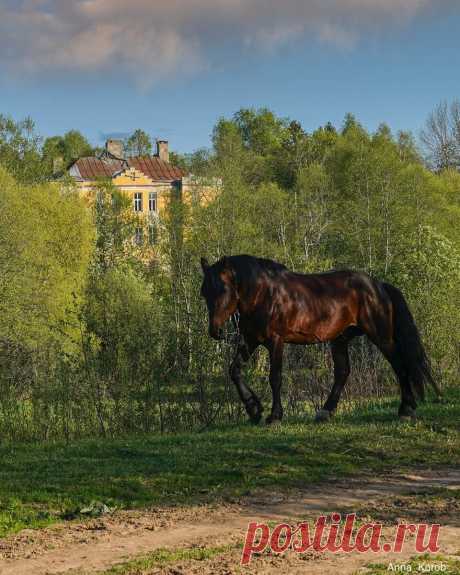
(138, 144)
(350, 123)
(383, 132)
(441, 136)
(45, 245)
(227, 140)
(261, 130)
(198, 163)
(294, 154)
(115, 225)
(20, 149)
(324, 140)
(67, 148)
(255, 140)
(407, 147)
(75, 146)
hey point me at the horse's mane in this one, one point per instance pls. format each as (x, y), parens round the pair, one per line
(249, 268)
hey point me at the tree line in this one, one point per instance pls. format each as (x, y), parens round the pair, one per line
(32, 159)
(97, 335)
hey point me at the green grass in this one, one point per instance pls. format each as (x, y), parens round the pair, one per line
(43, 483)
(162, 557)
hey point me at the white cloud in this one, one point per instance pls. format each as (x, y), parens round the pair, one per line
(152, 38)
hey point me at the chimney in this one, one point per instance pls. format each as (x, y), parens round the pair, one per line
(115, 148)
(163, 150)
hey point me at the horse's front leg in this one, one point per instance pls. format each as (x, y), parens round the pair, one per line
(276, 364)
(248, 397)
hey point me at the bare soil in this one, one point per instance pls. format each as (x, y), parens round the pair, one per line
(96, 545)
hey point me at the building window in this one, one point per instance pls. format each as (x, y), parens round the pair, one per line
(139, 236)
(138, 202)
(152, 201)
(153, 234)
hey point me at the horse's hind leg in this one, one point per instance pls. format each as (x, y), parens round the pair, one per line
(380, 330)
(408, 402)
(390, 351)
(339, 349)
(248, 397)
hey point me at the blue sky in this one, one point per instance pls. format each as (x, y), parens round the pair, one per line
(178, 69)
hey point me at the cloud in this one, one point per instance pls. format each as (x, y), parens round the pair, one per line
(154, 38)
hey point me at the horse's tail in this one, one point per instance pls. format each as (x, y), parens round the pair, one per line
(409, 344)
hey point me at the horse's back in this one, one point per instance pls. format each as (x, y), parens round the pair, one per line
(320, 307)
(335, 281)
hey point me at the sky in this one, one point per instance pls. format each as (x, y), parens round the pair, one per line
(173, 68)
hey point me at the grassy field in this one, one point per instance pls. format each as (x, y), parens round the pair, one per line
(42, 484)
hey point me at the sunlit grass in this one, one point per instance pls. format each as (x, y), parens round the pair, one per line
(162, 557)
(43, 483)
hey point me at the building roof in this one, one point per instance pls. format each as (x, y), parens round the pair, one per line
(91, 168)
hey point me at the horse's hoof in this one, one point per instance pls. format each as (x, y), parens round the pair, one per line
(408, 418)
(254, 410)
(255, 419)
(322, 415)
(407, 414)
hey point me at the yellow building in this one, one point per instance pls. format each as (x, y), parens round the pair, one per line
(149, 182)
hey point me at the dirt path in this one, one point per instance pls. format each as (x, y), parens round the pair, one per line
(100, 543)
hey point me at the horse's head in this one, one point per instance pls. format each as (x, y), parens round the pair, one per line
(219, 291)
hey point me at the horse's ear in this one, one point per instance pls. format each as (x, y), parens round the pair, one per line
(204, 264)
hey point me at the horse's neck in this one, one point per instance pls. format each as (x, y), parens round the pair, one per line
(251, 297)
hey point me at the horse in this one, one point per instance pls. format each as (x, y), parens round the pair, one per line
(274, 306)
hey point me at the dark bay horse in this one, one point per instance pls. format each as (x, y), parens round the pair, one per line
(275, 306)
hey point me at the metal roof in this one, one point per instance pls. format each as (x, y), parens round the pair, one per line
(92, 168)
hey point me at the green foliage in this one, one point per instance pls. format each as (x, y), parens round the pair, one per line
(60, 151)
(261, 131)
(43, 267)
(196, 163)
(114, 224)
(138, 144)
(444, 207)
(20, 149)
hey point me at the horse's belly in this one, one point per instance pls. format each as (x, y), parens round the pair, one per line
(316, 332)
(301, 338)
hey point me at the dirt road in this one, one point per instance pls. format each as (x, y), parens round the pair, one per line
(98, 544)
